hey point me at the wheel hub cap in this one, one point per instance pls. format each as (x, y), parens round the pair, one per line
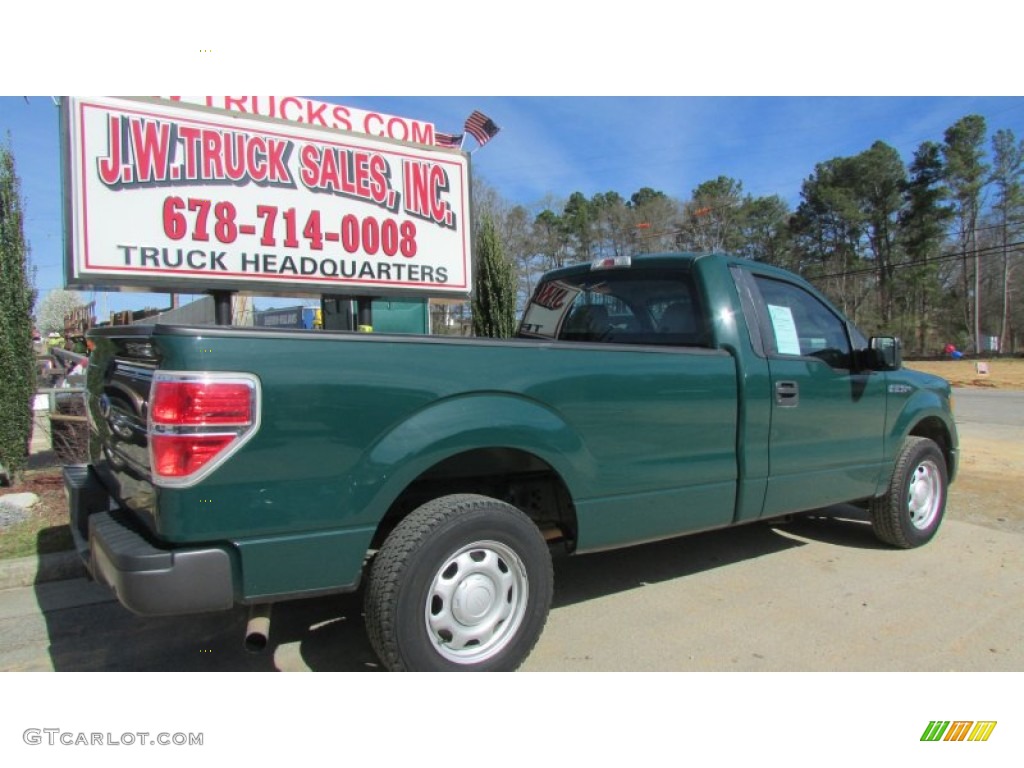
(476, 602)
(924, 495)
(474, 598)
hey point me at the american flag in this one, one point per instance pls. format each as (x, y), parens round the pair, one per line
(447, 139)
(481, 127)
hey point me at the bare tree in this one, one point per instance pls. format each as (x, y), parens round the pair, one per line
(1007, 176)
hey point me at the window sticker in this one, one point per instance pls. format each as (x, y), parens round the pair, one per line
(548, 310)
(786, 339)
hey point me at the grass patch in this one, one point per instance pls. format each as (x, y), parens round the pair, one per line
(46, 529)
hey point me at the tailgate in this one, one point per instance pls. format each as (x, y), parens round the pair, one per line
(121, 371)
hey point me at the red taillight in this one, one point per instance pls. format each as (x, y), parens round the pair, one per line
(196, 421)
(184, 455)
(201, 402)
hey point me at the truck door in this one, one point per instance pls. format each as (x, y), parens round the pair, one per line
(828, 418)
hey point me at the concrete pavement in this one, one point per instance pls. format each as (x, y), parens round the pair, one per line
(817, 594)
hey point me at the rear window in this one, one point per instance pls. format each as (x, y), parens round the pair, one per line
(618, 307)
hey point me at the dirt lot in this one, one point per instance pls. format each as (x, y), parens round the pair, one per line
(987, 491)
(1005, 373)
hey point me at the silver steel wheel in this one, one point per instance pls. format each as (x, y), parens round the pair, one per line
(476, 602)
(924, 494)
(910, 512)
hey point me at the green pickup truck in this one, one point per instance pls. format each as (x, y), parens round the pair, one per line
(643, 398)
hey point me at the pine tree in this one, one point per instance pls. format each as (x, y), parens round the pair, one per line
(923, 224)
(17, 384)
(494, 300)
(966, 174)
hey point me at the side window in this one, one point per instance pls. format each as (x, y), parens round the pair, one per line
(802, 325)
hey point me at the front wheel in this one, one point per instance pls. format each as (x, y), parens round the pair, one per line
(462, 583)
(909, 513)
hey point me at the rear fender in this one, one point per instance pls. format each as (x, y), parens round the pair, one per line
(452, 426)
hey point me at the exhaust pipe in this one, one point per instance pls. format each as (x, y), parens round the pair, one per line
(257, 631)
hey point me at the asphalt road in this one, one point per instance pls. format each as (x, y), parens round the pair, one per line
(816, 594)
(989, 411)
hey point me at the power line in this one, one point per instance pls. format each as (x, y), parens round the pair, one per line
(988, 251)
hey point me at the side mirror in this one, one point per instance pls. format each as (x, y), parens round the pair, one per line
(886, 354)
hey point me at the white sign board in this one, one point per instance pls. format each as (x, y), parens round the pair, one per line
(167, 197)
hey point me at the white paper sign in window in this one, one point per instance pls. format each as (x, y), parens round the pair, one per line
(786, 339)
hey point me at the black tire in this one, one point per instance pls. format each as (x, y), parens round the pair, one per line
(463, 583)
(910, 512)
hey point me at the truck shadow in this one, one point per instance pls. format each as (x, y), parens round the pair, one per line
(590, 576)
(90, 631)
(843, 525)
(93, 632)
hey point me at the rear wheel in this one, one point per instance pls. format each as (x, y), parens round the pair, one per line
(462, 583)
(910, 512)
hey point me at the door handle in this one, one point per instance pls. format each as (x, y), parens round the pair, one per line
(787, 394)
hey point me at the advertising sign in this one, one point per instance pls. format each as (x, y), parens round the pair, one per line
(163, 196)
(548, 309)
(299, 109)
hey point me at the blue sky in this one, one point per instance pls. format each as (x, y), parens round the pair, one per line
(550, 147)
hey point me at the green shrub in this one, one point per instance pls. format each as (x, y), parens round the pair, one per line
(17, 358)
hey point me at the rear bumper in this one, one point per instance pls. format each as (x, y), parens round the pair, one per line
(148, 578)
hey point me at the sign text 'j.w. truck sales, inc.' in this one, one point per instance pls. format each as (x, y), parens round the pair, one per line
(163, 196)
